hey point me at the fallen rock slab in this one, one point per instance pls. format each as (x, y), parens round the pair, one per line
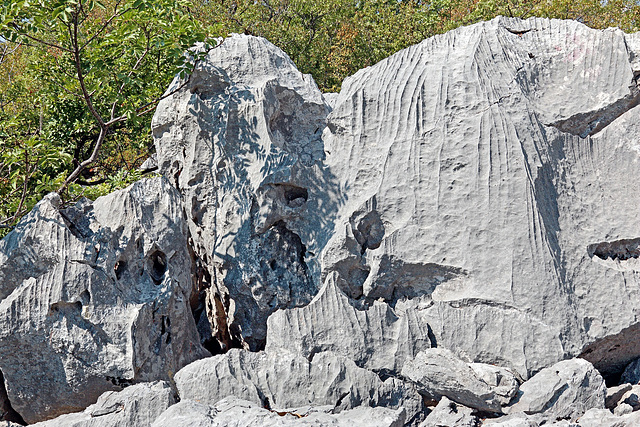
(438, 373)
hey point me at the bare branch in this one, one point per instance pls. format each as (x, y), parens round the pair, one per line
(94, 155)
(38, 40)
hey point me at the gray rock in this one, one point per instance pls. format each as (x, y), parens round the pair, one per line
(503, 382)
(438, 373)
(623, 409)
(243, 413)
(565, 390)
(517, 419)
(631, 373)
(138, 405)
(448, 413)
(614, 394)
(472, 165)
(105, 303)
(242, 143)
(604, 418)
(282, 380)
(377, 338)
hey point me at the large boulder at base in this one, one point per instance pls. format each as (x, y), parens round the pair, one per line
(377, 338)
(241, 140)
(243, 413)
(95, 297)
(282, 380)
(565, 390)
(487, 176)
(138, 405)
(438, 373)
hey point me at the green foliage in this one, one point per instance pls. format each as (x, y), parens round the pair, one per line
(79, 79)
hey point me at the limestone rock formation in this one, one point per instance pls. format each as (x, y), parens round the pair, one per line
(138, 405)
(486, 181)
(95, 297)
(457, 225)
(243, 413)
(283, 380)
(242, 143)
(376, 338)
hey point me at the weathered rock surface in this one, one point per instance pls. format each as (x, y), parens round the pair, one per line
(563, 391)
(438, 373)
(242, 143)
(95, 297)
(283, 380)
(243, 413)
(138, 405)
(450, 413)
(604, 418)
(486, 177)
(377, 338)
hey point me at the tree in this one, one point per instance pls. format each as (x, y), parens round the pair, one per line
(90, 72)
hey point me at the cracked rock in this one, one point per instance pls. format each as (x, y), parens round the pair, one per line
(107, 306)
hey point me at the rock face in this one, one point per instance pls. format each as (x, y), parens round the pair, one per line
(242, 142)
(95, 297)
(486, 177)
(375, 338)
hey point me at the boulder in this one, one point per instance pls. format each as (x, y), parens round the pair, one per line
(376, 338)
(95, 297)
(284, 380)
(138, 405)
(243, 413)
(438, 373)
(241, 140)
(563, 391)
(449, 413)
